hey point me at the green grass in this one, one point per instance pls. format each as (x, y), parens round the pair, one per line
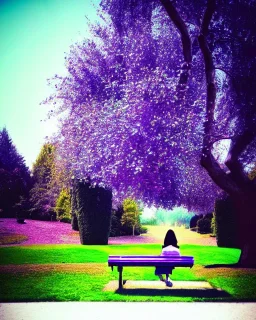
(88, 273)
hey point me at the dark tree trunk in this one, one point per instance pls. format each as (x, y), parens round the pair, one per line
(246, 217)
(236, 184)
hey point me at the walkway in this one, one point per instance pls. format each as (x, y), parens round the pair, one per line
(127, 311)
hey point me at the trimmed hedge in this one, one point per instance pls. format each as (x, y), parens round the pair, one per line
(226, 223)
(204, 224)
(93, 210)
(193, 222)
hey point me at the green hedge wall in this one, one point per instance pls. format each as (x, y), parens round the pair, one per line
(93, 210)
(226, 224)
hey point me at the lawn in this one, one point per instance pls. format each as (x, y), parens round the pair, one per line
(80, 273)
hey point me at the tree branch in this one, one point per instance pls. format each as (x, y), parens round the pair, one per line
(181, 26)
(186, 44)
(217, 174)
(238, 145)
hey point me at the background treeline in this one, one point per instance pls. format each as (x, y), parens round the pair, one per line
(47, 193)
(178, 216)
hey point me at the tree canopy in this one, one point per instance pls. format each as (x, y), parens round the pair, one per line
(149, 105)
(120, 121)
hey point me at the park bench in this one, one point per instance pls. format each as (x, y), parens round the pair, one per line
(148, 261)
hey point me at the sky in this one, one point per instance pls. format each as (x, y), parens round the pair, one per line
(34, 36)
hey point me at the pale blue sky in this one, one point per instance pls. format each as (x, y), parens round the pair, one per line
(34, 35)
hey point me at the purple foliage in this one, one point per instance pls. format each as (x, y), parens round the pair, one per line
(132, 113)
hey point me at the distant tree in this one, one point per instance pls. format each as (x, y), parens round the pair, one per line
(15, 180)
(45, 192)
(131, 215)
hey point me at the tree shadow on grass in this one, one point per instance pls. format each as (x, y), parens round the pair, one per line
(222, 265)
(192, 293)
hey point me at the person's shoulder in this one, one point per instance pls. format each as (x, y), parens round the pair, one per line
(170, 250)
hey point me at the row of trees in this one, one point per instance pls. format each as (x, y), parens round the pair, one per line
(24, 193)
(44, 193)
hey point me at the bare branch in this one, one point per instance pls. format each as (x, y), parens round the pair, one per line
(207, 160)
(186, 44)
(181, 26)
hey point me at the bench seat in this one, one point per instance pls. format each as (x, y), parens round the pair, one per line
(148, 261)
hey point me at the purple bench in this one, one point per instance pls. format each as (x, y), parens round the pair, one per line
(148, 261)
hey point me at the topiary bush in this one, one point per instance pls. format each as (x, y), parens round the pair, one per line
(193, 222)
(93, 211)
(204, 224)
(63, 206)
(226, 223)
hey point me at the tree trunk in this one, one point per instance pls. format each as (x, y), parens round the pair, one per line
(133, 228)
(236, 183)
(246, 218)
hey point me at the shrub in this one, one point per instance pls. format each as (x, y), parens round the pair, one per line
(226, 224)
(143, 230)
(115, 229)
(204, 224)
(93, 210)
(63, 206)
(213, 225)
(193, 222)
(21, 209)
(47, 215)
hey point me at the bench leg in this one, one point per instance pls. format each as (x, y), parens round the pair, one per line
(120, 282)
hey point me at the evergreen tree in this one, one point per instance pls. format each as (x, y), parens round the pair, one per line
(15, 180)
(44, 193)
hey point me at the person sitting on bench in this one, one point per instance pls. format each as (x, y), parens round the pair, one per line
(170, 247)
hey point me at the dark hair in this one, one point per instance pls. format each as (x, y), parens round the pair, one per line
(170, 239)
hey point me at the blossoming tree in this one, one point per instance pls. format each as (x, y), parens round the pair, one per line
(149, 103)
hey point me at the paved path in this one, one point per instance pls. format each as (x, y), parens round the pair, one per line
(127, 311)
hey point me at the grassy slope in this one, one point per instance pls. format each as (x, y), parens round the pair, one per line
(86, 282)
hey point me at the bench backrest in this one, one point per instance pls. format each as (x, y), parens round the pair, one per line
(155, 261)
